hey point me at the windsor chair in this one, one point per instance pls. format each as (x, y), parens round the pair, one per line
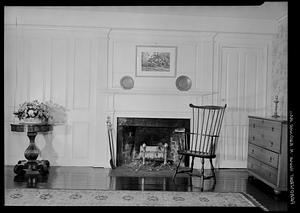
(201, 142)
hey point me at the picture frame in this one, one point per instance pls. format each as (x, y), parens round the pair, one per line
(156, 61)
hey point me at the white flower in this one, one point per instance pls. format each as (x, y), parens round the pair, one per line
(31, 113)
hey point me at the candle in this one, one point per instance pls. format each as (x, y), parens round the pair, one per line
(276, 103)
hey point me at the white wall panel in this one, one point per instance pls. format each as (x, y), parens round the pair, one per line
(37, 66)
(123, 57)
(230, 76)
(204, 66)
(152, 103)
(56, 144)
(82, 76)
(59, 66)
(186, 60)
(15, 149)
(80, 136)
(22, 68)
(250, 86)
(10, 65)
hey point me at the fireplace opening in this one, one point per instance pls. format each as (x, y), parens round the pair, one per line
(157, 134)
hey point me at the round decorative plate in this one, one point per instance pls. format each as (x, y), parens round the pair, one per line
(183, 83)
(127, 82)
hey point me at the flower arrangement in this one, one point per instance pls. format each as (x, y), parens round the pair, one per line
(57, 112)
(36, 111)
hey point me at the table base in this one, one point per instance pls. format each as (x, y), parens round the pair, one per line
(25, 166)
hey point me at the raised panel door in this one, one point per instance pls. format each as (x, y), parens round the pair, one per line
(241, 84)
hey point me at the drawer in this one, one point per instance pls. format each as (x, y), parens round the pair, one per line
(265, 133)
(268, 125)
(264, 155)
(268, 173)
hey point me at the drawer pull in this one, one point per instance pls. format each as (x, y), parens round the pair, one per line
(252, 150)
(253, 138)
(253, 125)
(270, 159)
(272, 129)
(271, 143)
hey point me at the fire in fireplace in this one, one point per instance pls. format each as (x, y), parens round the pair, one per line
(156, 134)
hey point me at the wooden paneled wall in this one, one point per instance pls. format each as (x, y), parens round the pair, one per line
(81, 68)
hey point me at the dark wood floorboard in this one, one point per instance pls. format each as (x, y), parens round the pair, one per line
(228, 180)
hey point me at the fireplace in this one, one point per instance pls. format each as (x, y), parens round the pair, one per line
(157, 134)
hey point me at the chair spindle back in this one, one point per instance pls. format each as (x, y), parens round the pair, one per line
(205, 128)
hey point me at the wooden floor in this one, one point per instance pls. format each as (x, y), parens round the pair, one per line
(228, 180)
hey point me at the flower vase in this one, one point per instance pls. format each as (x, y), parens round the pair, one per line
(31, 120)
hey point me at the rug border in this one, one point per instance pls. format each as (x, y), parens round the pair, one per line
(254, 201)
(247, 196)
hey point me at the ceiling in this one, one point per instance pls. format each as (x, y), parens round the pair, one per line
(268, 10)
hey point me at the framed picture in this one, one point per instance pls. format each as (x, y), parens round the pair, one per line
(156, 61)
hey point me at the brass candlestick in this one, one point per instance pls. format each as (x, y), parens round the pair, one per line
(144, 153)
(276, 103)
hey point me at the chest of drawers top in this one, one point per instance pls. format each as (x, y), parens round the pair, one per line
(279, 119)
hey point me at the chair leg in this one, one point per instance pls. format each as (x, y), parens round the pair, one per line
(212, 169)
(191, 183)
(202, 168)
(192, 164)
(177, 167)
(202, 173)
(191, 173)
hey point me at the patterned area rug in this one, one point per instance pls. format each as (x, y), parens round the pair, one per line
(66, 197)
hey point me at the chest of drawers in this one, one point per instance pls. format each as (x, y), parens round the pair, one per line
(267, 151)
